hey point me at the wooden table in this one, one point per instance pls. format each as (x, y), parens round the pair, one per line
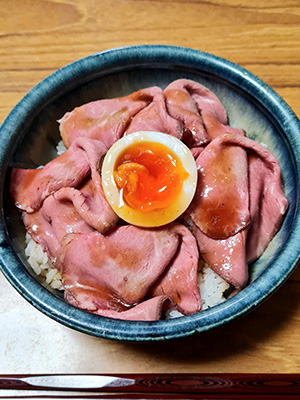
(36, 38)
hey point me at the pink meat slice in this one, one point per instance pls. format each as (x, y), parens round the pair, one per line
(105, 120)
(74, 176)
(221, 204)
(90, 204)
(53, 224)
(147, 310)
(180, 279)
(196, 151)
(268, 204)
(155, 118)
(215, 128)
(187, 101)
(115, 271)
(29, 187)
(229, 256)
(225, 257)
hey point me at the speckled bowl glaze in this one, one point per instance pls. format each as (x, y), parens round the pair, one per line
(29, 135)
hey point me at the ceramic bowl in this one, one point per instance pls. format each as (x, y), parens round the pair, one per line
(250, 103)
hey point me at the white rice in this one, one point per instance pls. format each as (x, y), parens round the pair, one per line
(212, 286)
(41, 264)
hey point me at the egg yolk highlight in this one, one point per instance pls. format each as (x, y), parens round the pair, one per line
(149, 176)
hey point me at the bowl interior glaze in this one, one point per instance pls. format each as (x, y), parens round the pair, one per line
(30, 134)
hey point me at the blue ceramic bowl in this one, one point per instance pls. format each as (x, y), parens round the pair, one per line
(251, 105)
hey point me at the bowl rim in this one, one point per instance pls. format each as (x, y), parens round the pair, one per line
(118, 59)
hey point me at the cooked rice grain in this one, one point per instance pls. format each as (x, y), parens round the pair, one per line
(212, 287)
(41, 264)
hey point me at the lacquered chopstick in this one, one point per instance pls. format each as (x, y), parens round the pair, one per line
(162, 396)
(209, 384)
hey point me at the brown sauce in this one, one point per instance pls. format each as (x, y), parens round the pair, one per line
(220, 205)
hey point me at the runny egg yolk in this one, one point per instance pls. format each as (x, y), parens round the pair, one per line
(149, 178)
(149, 175)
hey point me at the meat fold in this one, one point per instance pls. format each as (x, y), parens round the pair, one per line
(187, 101)
(155, 118)
(268, 203)
(53, 224)
(215, 128)
(114, 272)
(226, 257)
(90, 204)
(104, 120)
(180, 278)
(148, 310)
(29, 187)
(72, 176)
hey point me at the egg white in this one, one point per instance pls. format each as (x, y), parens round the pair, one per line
(152, 218)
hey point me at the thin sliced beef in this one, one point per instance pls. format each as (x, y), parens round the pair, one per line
(115, 272)
(196, 151)
(155, 118)
(65, 212)
(29, 187)
(220, 207)
(73, 176)
(147, 310)
(53, 224)
(215, 128)
(268, 203)
(180, 279)
(91, 205)
(187, 101)
(104, 120)
(229, 256)
(225, 257)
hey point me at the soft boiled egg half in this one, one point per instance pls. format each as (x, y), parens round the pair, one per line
(149, 178)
